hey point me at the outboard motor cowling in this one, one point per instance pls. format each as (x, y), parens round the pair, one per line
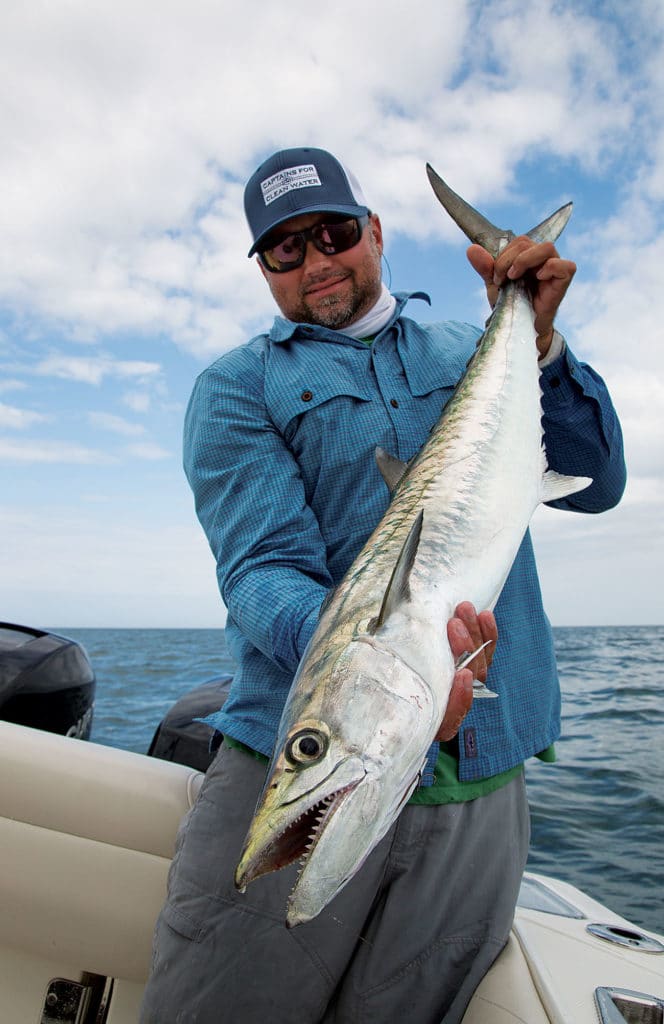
(46, 681)
(182, 737)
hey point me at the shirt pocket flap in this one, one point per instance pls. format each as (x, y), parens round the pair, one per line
(288, 399)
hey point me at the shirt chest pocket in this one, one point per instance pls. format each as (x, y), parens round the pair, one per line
(309, 412)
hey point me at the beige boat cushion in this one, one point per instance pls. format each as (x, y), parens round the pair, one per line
(86, 838)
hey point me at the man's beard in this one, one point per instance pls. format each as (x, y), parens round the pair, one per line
(336, 311)
(360, 293)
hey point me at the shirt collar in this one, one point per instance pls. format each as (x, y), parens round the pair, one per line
(284, 330)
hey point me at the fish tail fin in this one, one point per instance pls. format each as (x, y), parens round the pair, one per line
(478, 229)
(552, 226)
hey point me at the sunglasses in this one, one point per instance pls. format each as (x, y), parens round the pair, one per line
(330, 238)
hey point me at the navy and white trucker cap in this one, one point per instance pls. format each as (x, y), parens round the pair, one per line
(295, 181)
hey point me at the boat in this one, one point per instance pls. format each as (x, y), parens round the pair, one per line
(46, 681)
(86, 839)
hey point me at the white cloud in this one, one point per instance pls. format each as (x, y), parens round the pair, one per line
(45, 451)
(93, 370)
(12, 385)
(616, 317)
(116, 424)
(128, 136)
(19, 419)
(147, 450)
(137, 401)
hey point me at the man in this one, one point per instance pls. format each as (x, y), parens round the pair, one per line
(279, 449)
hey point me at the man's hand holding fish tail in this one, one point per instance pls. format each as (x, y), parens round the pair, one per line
(548, 275)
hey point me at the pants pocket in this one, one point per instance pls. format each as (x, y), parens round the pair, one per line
(189, 922)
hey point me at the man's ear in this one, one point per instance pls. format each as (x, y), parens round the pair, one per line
(377, 230)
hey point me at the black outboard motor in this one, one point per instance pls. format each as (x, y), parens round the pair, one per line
(181, 737)
(46, 681)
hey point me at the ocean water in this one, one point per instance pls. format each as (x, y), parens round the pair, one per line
(597, 814)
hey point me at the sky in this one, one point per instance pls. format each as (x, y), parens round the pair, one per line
(129, 129)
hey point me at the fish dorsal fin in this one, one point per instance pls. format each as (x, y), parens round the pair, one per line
(398, 589)
(478, 229)
(391, 468)
(556, 485)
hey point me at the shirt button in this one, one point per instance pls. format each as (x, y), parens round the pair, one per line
(306, 396)
(394, 403)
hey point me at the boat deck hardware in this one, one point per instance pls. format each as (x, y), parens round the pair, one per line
(534, 895)
(77, 1002)
(628, 937)
(621, 1006)
(66, 1002)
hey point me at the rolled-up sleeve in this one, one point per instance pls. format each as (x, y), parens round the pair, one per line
(271, 557)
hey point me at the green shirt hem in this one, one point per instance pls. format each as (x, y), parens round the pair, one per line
(446, 788)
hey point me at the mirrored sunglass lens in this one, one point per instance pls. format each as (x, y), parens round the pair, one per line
(333, 238)
(286, 252)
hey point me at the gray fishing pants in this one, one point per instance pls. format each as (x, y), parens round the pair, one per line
(409, 938)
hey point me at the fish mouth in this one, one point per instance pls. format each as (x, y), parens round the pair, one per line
(295, 841)
(313, 821)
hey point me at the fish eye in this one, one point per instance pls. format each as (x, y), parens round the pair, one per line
(306, 747)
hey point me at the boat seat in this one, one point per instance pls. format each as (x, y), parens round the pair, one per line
(87, 835)
(96, 792)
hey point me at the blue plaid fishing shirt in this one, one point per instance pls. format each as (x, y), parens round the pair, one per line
(279, 447)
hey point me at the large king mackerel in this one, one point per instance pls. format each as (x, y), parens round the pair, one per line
(372, 687)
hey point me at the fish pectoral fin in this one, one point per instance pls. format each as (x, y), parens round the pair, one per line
(398, 589)
(391, 468)
(556, 485)
(481, 690)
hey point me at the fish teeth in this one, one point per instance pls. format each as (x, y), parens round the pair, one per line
(320, 809)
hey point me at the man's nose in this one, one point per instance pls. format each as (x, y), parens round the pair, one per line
(314, 258)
